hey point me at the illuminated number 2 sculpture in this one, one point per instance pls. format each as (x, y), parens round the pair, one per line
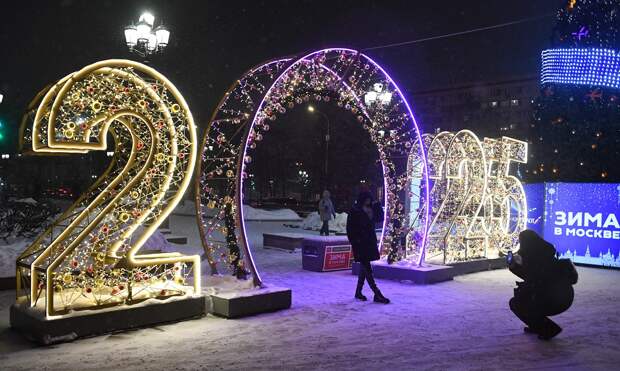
(89, 258)
(477, 207)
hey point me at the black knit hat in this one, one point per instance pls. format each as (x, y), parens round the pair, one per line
(363, 196)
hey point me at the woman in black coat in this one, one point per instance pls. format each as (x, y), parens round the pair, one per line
(361, 222)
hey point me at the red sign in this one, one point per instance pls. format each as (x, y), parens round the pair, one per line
(337, 257)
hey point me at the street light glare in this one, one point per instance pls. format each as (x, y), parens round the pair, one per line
(144, 38)
(147, 17)
(310, 108)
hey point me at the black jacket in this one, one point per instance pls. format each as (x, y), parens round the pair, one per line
(546, 283)
(361, 232)
(538, 260)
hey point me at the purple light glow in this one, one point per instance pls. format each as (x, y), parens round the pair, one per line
(583, 32)
(283, 74)
(419, 138)
(246, 247)
(385, 185)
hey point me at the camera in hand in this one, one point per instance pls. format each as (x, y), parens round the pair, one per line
(509, 258)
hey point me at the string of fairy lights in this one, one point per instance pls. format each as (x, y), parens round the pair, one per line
(88, 257)
(576, 117)
(448, 197)
(253, 104)
(477, 208)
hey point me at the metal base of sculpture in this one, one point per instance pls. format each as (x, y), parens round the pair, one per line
(36, 326)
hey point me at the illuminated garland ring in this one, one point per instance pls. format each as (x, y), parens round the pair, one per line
(244, 115)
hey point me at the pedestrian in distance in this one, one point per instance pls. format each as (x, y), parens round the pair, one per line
(547, 287)
(326, 212)
(361, 223)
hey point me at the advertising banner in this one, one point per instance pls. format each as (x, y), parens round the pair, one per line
(582, 221)
(338, 257)
(535, 196)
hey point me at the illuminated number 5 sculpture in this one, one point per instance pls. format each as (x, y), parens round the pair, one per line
(477, 208)
(505, 204)
(89, 257)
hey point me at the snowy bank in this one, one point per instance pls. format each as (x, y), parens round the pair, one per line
(10, 252)
(313, 222)
(250, 213)
(187, 208)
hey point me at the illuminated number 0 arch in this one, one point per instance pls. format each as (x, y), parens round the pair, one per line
(89, 257)
(252, 104)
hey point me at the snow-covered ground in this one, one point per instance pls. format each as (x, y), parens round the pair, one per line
(463, 324)
(9, 253)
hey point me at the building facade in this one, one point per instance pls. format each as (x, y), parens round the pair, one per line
(491, 109)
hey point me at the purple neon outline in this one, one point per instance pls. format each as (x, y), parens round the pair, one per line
(385, 185)
(418, 134)
(247, 249)
(248, 257)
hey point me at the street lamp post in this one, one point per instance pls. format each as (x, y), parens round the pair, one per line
(144, 39)
(313, 110)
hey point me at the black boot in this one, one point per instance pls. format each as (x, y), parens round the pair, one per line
(549, 330)
(379, 298)
(361, 276)
(529, 330)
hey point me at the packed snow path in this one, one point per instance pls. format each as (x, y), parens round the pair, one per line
(463, 324)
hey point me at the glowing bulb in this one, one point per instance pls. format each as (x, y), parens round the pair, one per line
(143, 31)
(147, 17)
(163, 35)
(131, 35)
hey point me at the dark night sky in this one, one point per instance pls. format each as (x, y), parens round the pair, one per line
(214, 42)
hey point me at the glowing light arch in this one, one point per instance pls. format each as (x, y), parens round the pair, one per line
(243, 115)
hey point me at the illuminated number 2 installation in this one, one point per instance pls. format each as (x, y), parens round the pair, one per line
(89, 258)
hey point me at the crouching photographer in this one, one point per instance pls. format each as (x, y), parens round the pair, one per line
(547, 287)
